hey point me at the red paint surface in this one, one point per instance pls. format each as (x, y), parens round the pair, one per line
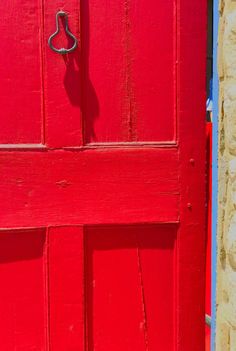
(20, 72)
(99, 247)
(124, 272)
(122, 88)
(89, 187)
(23, 297)
(66, 288)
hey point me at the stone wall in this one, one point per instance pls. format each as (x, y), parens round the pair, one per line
(226, 267)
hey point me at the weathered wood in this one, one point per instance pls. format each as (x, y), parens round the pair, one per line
(102, 155)
(23, 293)
(88, 187)
(21, 116)
(124, 272)
(66, 288)
(191, 237)
(62, 79)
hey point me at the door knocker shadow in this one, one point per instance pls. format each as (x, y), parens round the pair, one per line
(79, 88)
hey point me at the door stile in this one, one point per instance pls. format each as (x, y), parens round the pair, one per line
(192, 230)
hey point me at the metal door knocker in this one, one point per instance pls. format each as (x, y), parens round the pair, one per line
(62, 51)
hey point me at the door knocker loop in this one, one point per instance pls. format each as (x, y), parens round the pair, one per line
(62, 51)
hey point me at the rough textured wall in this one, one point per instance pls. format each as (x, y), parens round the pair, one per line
(226, 291)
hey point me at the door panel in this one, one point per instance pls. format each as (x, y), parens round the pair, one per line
(23, 293)
(130, 290)
(115, 97)
(105, 108)
(127, 94)
(21, 116)
(41, 296)
(152, 89)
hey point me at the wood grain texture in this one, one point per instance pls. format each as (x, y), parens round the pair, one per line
(130, 270)
(83, 97)
(105, 105)
(62, 79)
(192, 150)
(92, 186)
(21, 116)
(153, 70)
(23, 296)
(118, 88)
(129, 93)
(66, 288)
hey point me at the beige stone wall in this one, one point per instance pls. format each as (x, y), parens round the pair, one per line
(226, 274)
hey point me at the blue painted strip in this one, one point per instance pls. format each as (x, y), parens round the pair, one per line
(214, 171)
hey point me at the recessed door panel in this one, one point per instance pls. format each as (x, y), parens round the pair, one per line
(128, 51)
(21, 94)
(23, 293)
(130, 290)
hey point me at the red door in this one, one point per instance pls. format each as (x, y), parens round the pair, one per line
(102, 173)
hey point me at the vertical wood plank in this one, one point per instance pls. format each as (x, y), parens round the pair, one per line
(192, 150)
(114, 309)
(104, 55)
(21, 90)
(23, 307)
(129, 94)
(152, 70)
(63, 125)
(66, 288)
(157, 261)
(130, 287)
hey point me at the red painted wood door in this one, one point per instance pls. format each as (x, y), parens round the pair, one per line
(102, 173)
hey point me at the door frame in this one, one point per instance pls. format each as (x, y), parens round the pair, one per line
(215, 92)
